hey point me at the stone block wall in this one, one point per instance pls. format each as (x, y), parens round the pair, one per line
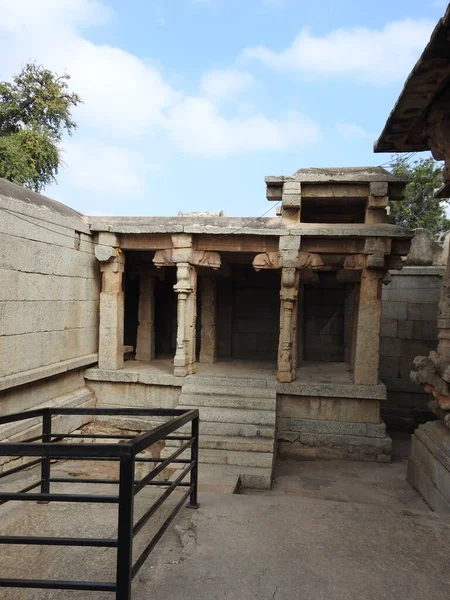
(323, 320)
(49, 288)
(410, 305)
(49, 294)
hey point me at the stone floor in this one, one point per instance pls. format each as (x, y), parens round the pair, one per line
(308, 372)
(328, 530)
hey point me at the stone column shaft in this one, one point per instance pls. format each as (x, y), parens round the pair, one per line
(145, 343)
(287, 346)
(367, 345)
(186, 288)
(111, 315)
(208, 343)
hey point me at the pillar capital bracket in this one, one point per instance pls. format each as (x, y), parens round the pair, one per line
(176, 256)
(287, 259)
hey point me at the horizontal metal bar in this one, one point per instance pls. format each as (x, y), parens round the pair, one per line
(77, 480)
(98, 499)
(158, 433)
(164, 483)
(33, 463)
(182, 438)
(102, 436)
(151, 511)
(24, 491)
(56, 450)
(158, 460)
(85, 458)
(29, 414)
(131, 412)
(58, 585)
(32, 439)
(143, 557)
(157, 470)
(56, 541)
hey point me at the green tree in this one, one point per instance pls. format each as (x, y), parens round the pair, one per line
(419, 208)
(35, 112)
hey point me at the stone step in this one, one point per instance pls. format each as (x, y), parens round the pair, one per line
(230, 479)
(235, 415)
(227, 457)
(228, 391)
(224, 401)
(247, 382)
(233, 443)
(233, 429)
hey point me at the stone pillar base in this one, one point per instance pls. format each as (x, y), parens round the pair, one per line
(183, 370)
(429, 465)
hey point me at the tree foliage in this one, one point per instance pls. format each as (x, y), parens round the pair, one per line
(419, 208)
(35, 112)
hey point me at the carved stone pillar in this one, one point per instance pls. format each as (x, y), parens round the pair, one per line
(208, 343)
(186, 288)
(145, 343)
(367, 345)
(287, 346)
(111, 315)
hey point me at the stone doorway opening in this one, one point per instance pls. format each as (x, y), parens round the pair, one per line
(328, 316)
(248, 314)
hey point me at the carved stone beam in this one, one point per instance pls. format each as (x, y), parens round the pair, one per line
(287, 259)
(204, 258)
(266, 260)
(163, 258)
(199, 258)
(362, 261)
(309, 260)
(107, 248)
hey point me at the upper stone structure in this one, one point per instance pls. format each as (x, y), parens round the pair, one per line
(336, 195)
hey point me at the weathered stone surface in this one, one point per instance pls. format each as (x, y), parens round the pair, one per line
(339, 428)
(135, 394)
(395, 310)
(423, 248)
(208, 303)
(326, 409)
(145, 342)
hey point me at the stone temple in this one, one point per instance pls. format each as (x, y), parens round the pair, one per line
(271, 326)
(294, 335)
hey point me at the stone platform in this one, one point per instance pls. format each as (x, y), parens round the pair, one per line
(244, 410)
(429, 464)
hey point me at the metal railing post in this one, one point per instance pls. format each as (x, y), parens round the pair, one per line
(193, 501)
(46, 439)
(125, 529)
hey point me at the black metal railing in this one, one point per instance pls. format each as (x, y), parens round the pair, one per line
(127, 454)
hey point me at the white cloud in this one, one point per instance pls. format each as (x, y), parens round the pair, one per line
(46, 13)
(104, 168)
(127, 100)
(198, 128)
(370, 55)
(351, 131)
(226, 84)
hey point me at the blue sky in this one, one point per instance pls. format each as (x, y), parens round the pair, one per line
(188, 104)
